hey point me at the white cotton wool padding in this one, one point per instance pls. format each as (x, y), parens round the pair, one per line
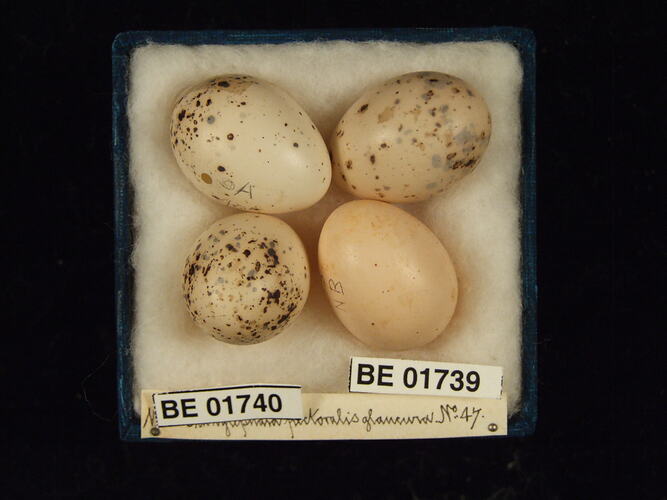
(478, 221)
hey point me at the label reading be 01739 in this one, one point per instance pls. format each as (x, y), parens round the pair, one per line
(226, 404)
(428, 378)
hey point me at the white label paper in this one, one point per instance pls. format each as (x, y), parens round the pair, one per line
(350, 416)
(427, 378)
(225, 404)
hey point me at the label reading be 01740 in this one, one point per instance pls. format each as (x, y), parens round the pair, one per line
(428, 378)
(226, 404)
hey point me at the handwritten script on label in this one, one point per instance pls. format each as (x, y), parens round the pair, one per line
(353, 416)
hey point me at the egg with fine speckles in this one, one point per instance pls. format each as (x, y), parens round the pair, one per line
(410, 138)
(388, 278)
(246, 278)
(248, 144)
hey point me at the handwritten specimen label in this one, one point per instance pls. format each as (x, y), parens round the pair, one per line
(224, 404)
(428, 378)
(350, 416)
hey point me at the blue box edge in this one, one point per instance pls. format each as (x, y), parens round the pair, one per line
(523, 423)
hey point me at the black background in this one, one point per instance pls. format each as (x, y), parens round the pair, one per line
(601, 249)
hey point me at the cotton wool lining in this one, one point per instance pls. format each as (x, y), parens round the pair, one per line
(477, 221)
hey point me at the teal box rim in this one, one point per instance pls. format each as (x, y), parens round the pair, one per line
(523, 422)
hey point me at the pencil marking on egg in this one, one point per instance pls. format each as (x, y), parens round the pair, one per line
(394, 270)
(249, 115)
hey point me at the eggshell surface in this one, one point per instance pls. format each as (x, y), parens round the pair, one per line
(387, 276)
(246, 278)
(410, 138)
(248, 144)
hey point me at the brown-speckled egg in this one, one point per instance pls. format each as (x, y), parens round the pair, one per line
(246, 278)
(410, 138)
(246, 143)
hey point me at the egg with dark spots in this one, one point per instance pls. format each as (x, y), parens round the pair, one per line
(417, 133)
(246, 278)
(273, 158)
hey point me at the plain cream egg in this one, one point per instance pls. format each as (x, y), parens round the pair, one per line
(246, 278)
(246, 143)
(410, 138)
(387, 276)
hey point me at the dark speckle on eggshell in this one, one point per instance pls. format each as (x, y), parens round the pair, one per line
(222, 296)
(217, 122)
(420, 143)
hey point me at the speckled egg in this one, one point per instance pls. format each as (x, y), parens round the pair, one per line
(410, 138)
(388, 278)
(246, 278)
(248, 144)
